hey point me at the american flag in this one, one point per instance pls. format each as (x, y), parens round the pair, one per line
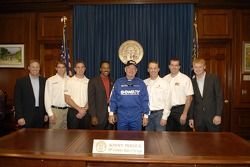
(65, 57)
(195, 45)
(195, 40)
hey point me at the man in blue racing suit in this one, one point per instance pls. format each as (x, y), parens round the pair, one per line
(129, 101)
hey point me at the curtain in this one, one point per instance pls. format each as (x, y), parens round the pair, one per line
(163, 30)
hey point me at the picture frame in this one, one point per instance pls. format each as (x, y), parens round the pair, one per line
(246, 57)
(11, 55)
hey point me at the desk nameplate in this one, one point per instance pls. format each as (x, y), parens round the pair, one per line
(134, 147)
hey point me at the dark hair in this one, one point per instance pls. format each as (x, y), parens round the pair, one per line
(155, 62)
(104, 61)
(175, 59)
(60, 62)
(80, 62)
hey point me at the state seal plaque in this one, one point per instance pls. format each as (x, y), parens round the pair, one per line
(101, 146)
(130, 50)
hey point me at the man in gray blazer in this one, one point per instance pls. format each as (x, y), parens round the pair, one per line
(99, 89)
(207, 104)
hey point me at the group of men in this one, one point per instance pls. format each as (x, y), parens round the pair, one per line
(172, 103)
(66, 102)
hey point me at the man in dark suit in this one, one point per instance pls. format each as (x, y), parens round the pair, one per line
(29, 98)
(207, 105)
(99, 89)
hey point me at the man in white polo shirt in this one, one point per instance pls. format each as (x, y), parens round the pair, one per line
(55, 104)
(76, 96)
(181, 92)
(159, 98)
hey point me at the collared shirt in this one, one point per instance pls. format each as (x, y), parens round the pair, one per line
(54, 93)
(200, 82)
(159, 95)
(77, 89)
(181, 87)
(35, 86)
(106, 83)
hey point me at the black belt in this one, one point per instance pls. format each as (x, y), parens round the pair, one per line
(177, 106)
(59, 107)
(155, 111)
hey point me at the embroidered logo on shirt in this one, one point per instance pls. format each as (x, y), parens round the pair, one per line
(177, 84)
(130, 92)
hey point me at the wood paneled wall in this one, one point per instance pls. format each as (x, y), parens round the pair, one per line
(50, 32)
(41, 34)
(240, 119)
(223, 26)
(222, 33)
(17, 28)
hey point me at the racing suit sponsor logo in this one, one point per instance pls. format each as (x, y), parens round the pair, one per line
(130, 92)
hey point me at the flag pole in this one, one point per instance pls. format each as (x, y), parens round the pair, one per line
(64, 20)
(65, 46)
(195, 39)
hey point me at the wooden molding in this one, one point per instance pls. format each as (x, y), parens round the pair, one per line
(129, 1)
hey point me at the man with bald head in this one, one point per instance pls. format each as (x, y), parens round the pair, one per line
(29, 98)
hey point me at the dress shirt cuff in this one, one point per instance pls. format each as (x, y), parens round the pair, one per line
(165, 114)
(49, 112)
(111, 113)
(145, 116)
(164, 118)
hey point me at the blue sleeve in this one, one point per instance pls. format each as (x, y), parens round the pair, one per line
(145, 99)
(113, 98)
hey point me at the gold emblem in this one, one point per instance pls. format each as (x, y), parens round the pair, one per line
(101, 146)
(130, 50)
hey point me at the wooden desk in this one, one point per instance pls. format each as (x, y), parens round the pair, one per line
(40, 147)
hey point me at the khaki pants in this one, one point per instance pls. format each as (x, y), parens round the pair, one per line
(61, 119)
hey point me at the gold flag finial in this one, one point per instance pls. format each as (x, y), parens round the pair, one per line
(63, 20)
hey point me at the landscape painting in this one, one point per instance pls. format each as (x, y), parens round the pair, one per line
(246, 57)
(12, 55)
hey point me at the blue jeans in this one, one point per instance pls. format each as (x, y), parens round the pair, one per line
(154, 121)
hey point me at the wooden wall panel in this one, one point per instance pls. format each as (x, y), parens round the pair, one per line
(50, 26)
(245, 76)
(50, 54)
(242, 86)
(240, 122)
(17, 28)
(240, 115)
(50, 36)
(214, 24)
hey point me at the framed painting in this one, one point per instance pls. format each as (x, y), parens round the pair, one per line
(12, 55)
(246, 57)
